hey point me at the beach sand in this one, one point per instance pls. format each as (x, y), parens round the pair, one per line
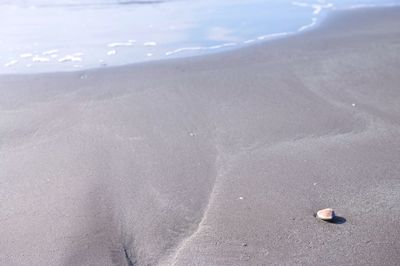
(214, 160)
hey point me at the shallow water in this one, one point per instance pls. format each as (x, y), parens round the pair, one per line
(45, 35)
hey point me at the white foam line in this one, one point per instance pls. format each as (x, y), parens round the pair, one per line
(200, 48)
(11, 63)
(273, 35)
(229, 44)
(26, 55)
(300, 4)
(312, 24)
(360, 6)
(214, 47)
(70, 58)
(221, 45)
(317, 9)
(40, 59)
(119, 44)
(249, 41)
(50, 52)
(150, 44)
(372, 5)
(185, 49)
(268, 37)
(112, 52)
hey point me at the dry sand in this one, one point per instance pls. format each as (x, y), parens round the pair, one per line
(214, 160)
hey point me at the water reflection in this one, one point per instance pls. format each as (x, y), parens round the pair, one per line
(44, 35)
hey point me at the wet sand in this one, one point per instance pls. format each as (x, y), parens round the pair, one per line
(214, 160)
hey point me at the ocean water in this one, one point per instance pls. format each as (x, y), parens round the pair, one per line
(67, 35)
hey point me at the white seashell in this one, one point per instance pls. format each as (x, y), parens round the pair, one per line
(325, 214)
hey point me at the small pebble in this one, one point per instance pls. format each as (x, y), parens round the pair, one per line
(325, 214)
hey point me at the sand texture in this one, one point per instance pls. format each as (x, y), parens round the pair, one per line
(213, 160)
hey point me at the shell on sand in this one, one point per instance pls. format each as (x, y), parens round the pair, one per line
(325, 214)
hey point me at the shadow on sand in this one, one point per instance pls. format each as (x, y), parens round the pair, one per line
(337, 220)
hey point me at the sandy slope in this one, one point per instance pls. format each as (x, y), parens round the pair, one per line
(215, 160)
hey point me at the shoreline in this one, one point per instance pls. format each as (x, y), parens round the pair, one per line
(218, 159)
(316, 23)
